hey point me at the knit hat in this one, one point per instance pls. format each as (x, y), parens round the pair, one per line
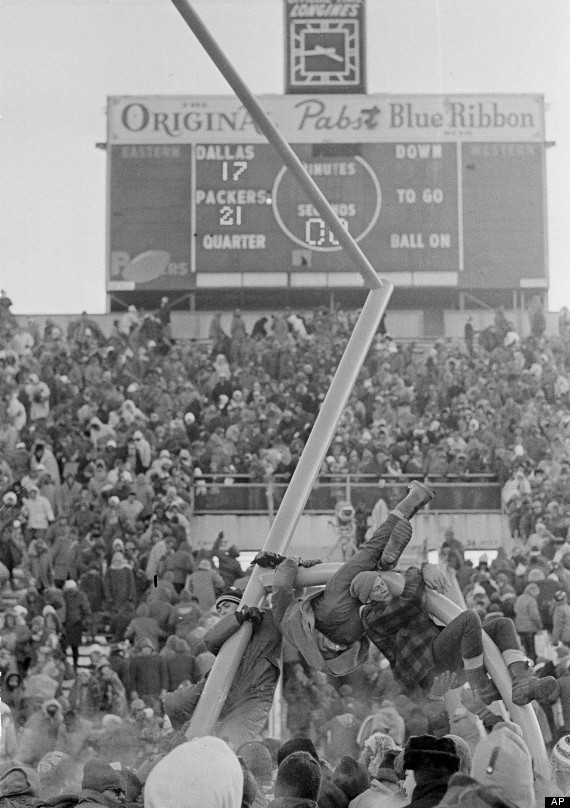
(351, 777)
(427, 751)
(200, 772)
(503, 764)
(49, 762)
(560, 757)
(138, 704)
(362, 585)
(230, 595)
(204, 564)
(296, 745)
(258, 760)
(299, 775)
(111, 721)
(99, 776)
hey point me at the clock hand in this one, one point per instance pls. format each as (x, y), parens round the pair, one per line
(331, 53)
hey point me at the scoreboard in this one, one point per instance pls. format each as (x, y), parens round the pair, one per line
(401, 213)
(452, 209)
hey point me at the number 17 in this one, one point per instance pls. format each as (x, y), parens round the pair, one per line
(238, 167)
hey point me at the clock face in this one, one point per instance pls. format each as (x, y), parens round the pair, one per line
(325, 54)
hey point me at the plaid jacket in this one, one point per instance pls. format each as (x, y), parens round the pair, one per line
(403, 631)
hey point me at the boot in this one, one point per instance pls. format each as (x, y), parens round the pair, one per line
(473, 703)
(527, 687)
(418, 496)
(396, 544)
(483, 688)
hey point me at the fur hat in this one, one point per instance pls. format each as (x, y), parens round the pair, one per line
(362, 585)
(463, 751)
(99, 776)
(299, 775)
(230, 595)
(427, 751)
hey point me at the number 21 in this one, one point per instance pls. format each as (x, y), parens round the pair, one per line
(230, 215)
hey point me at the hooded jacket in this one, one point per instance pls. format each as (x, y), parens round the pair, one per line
(202, 772)
(94, 799)
(465, 792)
(19, 787)
(527, 615)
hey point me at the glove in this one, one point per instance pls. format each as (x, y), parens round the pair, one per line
(268, 560)
(310, 562)
(251, 613)
(441, 685)
(399, 538)
(473, 703)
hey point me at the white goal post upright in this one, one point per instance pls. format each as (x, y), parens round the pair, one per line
(280, 534)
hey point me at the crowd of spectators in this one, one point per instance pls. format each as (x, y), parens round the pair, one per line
(108, 444)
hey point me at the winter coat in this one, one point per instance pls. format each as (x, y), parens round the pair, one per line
(91, 584)
(404, 632)
(148, 675)
(429, 792)
(181, 667)
(41, 735)
(296, 621)
(561, 623)
(251, 695)
(180, 563)
(527, 615)
(204, 585)
(229, 568)
(37, 563)
(144, 627)
(465, 792)
(381, 795)
(184, 617)
(120, 590)
(19, 788)
(77, 613)
(62, 554)
(39, 512)
(94, 799)
(108, 695)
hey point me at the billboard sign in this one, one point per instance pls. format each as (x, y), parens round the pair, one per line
(217, 205)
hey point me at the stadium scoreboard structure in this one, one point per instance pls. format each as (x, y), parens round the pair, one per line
(439, 192)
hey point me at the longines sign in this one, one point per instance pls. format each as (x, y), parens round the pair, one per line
(331, 118)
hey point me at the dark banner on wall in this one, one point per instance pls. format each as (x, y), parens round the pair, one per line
(325, 47)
